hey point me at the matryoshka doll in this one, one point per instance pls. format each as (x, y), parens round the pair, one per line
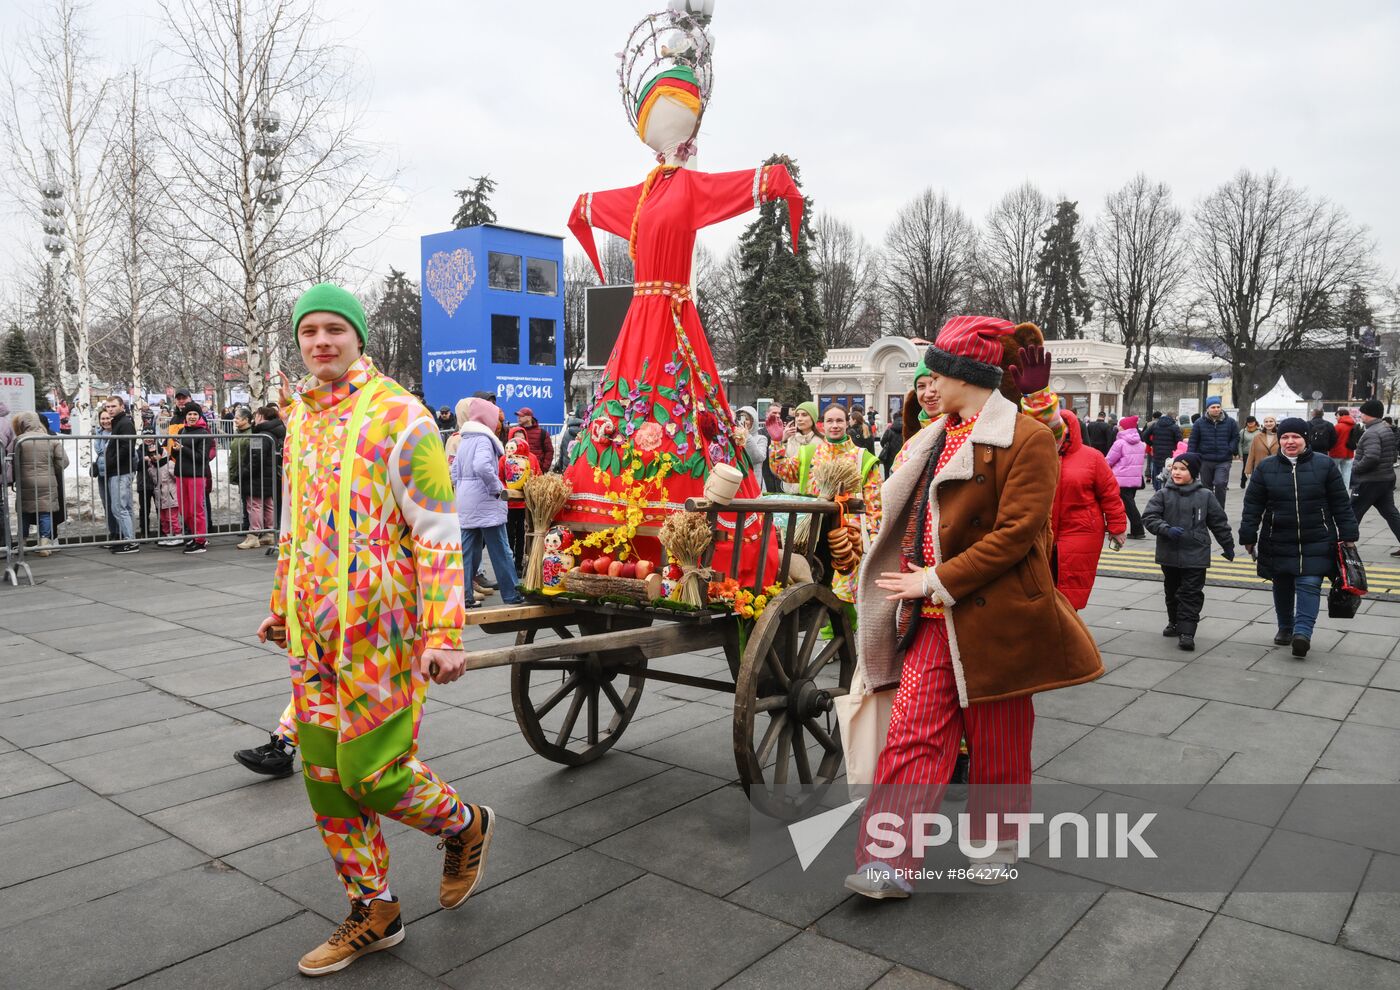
(670, 577)
(558, 559)
(518, 465)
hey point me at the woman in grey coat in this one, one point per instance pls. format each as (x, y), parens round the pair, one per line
(1182, 516)
(39, 478)
(481, 510)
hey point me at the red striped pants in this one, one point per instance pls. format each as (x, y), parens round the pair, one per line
(926, 726)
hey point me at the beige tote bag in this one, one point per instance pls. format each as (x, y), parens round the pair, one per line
(864, 717)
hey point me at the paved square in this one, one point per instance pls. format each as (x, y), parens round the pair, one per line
(137, 853)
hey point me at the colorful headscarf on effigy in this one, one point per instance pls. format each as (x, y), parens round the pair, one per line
(679, 83)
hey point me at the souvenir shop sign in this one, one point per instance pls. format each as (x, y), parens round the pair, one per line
(17, 391)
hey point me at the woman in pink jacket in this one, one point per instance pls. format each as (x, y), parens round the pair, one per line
(1126, 457)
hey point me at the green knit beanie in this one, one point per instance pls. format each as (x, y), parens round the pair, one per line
(922, 370)
(327, 298)
(810, 408)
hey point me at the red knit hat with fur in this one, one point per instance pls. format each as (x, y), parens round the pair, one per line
(970, 348)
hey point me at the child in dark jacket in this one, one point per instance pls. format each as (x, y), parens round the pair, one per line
(1182, 516)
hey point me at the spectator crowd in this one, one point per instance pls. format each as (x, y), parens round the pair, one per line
(154, 469)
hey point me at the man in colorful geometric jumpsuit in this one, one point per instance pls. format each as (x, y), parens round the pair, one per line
(368, 598)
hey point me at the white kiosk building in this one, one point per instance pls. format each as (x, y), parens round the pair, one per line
(1088, 374)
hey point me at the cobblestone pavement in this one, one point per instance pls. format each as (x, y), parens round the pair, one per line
(137, 853)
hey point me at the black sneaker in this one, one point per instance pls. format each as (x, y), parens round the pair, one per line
(1170, 630)
(1300, 646)
(1186, 642)
(128, 548)
(189, 543)
(472, 604)
(274, 759)
(957, 787)
(1283, 637)
(194, 548)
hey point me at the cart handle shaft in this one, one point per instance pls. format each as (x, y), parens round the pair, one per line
(654, 641)
(817, 506)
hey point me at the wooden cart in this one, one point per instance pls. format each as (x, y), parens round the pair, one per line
(575, 691)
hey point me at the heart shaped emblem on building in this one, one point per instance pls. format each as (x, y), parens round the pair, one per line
(450, 277)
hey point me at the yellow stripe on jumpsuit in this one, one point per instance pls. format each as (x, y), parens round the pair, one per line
(374, 568)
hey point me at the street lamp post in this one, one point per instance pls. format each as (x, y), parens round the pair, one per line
(267, 147)
(52, 207)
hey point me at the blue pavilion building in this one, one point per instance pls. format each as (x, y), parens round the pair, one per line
(493, 319)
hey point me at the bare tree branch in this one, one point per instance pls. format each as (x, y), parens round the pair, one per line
(264, 209)
(55, 115)
(1007, 253)
(929, 252)
(1137, 260)
(848, 275)
(1267, 260)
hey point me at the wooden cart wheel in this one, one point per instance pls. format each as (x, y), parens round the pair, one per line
(597, 694)
(783, 696)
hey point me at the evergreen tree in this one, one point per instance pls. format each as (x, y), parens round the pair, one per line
(778, 310)
(15, 356)
(1065, 303)
(475, 208)
(396, 329)
(1354, 315)
(17, 359)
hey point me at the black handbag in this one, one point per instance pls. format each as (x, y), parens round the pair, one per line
(1351, 573)
(1342, 604)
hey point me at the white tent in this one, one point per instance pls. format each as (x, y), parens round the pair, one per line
(1280, 401)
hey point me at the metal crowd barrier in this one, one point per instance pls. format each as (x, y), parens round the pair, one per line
(82, 519)
(60, 472)
(14, 565)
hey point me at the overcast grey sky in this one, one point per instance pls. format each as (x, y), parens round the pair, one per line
(875, 100)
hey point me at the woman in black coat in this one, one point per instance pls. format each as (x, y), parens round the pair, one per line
(1296, 511)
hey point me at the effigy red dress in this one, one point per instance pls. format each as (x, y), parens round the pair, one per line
(659, 419)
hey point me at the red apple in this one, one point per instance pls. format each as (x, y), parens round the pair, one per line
(615, 568)
(629, 570)
(585, 567)
(601, 563)
(644, 567)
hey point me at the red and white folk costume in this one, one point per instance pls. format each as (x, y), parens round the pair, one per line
(659, 419)
(992, 630)
(661, 379)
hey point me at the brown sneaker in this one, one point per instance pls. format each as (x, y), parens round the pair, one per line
(369, 928)
(465, 860)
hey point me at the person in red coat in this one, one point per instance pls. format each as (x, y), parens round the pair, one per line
(1344, 450)
(1087, 505)
(541, 443)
